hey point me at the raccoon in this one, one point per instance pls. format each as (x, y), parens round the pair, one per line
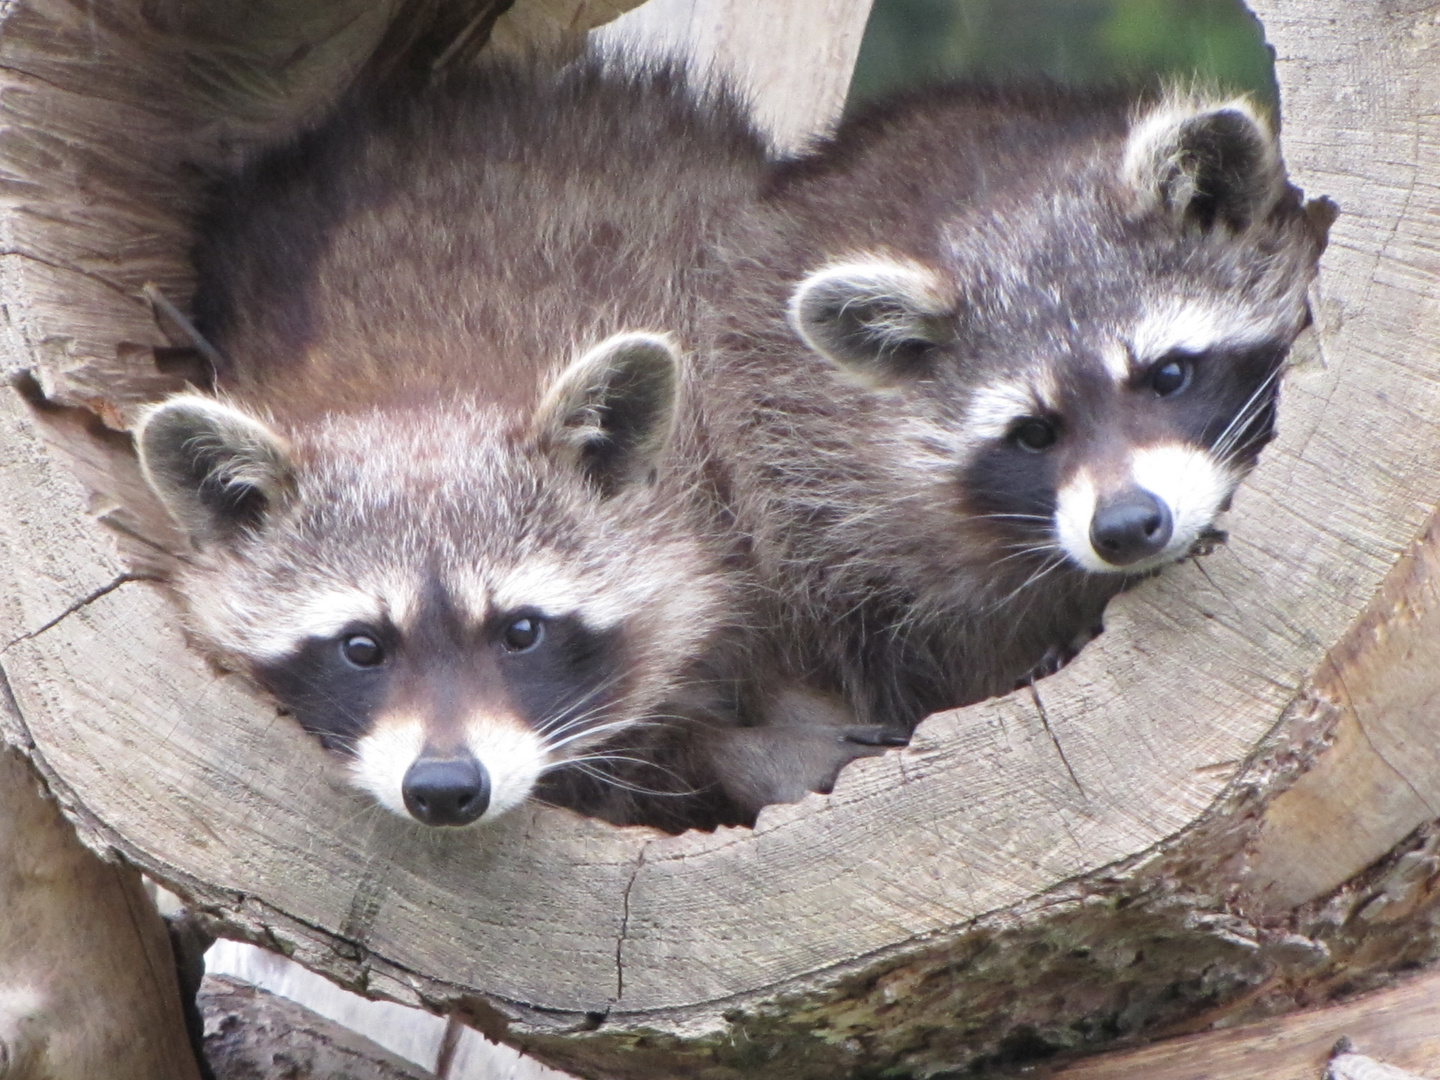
(439, 502)
(986, 357)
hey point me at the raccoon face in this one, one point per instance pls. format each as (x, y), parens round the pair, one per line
(456, 598)
(1101, 347)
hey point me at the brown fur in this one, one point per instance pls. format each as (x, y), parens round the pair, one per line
(395, 296)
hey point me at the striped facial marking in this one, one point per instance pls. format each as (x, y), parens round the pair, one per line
(994, 408)
(1196, 327)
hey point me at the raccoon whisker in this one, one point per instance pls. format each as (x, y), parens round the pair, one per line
(588, 763)
(579, 729)
(366, 808)
(1046, 518)
(602, 757)
(1048, 548)
(1242, 438)
(593, 692)
(566, 717)
(1242, 418)
(562, 723)
(1044, 570)
(598, 729)
(623, 785)
(1235, 450)
(358, 722)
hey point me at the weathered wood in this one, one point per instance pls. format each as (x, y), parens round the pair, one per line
(1397, 1027)
(792, 60)
(449, 1049)
(251, 1035)
(87, 980)
(1113, 854)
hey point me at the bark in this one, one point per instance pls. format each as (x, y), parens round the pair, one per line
(1224, 809)
(254, 1035)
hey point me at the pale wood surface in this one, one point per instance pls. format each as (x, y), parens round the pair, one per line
(87, 980)
(890, 922)
(425, 1040)
(793, 60)
(1399, 1027)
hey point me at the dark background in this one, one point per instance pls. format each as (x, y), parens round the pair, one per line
(1076, 41)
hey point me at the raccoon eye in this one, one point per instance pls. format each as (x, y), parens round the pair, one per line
(1170, 376)
(362, 650)
(523, 634)
(1034, 435)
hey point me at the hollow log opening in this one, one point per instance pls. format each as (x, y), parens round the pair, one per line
(1225, 808)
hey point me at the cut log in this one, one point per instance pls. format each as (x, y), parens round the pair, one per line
(87, 979)
(251, 1035)
(1223, 809)
(1395, 1028)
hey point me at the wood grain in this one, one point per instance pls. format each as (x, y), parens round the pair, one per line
(1397, 1027)
(250, 1033)
(793, 60)
(87, 980)
(1115, 845)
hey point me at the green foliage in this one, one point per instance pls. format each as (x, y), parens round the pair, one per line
(1076, 41)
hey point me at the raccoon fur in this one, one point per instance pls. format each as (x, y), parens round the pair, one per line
(439, 501)
(986, 357)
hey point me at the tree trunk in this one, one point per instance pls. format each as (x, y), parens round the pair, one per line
(1225, 808)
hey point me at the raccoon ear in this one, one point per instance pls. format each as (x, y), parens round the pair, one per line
(878, 319)
(1206, 162)
(614, 407)
(217, 470)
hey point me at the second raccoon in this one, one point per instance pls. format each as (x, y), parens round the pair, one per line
(988, 356)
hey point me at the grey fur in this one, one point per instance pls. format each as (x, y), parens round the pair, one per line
(988, 236)
(398, 298)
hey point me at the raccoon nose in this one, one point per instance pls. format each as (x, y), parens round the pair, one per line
(446, 791)
(1130, 526)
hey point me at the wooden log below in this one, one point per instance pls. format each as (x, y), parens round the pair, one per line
(87, 978)
(1224, 808)
(251, 1034)
(1394, 1028)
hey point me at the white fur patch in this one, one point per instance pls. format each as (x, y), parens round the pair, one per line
(554, 589)
(319, 615)
(1116, 359)
(468, 590)
(1074, 511)
(994, 408)
(383, 757)
(1196, 327)
(512, 755)
(1189, 482)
